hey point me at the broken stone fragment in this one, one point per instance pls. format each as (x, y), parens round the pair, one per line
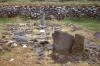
(78, 44)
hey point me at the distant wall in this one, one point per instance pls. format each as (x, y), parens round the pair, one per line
(51, 11)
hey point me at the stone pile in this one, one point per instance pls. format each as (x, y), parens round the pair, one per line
(40, 48)
(92, 51)
(26, 28)
(51, 12)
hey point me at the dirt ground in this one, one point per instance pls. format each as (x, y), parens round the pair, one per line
(26, 57)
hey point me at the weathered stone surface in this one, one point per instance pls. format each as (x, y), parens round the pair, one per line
(97, 35)
(78, 45)
(20, 33)
(62, 41)
(21, 38)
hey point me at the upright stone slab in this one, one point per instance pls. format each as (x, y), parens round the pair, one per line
(62, 42)
(78, 44)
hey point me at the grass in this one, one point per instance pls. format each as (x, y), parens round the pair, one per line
(6, 20)
(88, 23)
(13, 20)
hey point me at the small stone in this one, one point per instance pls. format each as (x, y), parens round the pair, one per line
(12, 59)
(42, 31)
(24, 46)
(97, 35)
(14, 45)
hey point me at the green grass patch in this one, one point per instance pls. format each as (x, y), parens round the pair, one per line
(13, 20)
(7, 54)
(89, 23)
(6, 20)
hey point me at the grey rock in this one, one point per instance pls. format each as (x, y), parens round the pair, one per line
(21, 38)
(97, 35)
(20, 33)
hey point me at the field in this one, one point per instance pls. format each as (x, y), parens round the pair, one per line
(87, 23)
(27, 56)
(92, 24)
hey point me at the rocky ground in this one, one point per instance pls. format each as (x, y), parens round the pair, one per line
(26, 57)
(15, 52)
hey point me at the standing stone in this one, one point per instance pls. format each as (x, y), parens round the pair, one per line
(62, 42)
(42, 20)
(78, 45)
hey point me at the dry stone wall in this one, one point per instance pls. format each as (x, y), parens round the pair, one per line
(51, 12)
